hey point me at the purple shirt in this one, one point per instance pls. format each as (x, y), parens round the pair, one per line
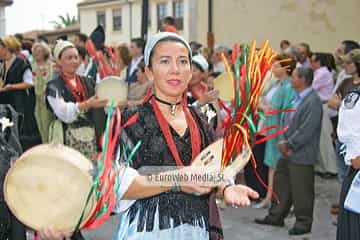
(323, 83)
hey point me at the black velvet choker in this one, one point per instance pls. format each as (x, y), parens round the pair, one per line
(171, 105)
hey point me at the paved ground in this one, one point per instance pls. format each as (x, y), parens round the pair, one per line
(238, 223)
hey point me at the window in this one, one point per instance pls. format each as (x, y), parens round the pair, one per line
(178, 10)
(117, 20)
(161, 13)
(101, 18)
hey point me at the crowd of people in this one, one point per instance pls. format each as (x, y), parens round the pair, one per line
(52, 88)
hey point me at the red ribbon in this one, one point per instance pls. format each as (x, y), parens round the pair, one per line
(77, 91)
(194, 132)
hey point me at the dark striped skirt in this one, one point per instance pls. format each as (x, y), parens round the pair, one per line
(348, 222)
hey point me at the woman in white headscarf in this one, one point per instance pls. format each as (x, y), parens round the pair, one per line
(72, 100)
(172, 134)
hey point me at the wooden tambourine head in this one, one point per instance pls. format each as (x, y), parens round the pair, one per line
(112, 88)
(48, 186)
(210, 159)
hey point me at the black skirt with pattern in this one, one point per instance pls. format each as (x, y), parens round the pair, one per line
(348, 222)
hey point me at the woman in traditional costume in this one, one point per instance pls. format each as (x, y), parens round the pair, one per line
(17, 89)
(71, 99)
(172, 134)
(42, 69)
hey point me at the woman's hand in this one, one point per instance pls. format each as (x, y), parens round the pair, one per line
(93, 102)
(335, 102)
(6, 88)
(264, 107)
(192, 185)
(239, 195)
(208, 97)
(283, 149)
(123, 103)
(195, 189)
(48, 233)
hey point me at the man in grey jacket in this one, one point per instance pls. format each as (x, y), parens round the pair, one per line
(294, 175)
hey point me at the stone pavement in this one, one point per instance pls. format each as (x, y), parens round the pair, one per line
(238, 223)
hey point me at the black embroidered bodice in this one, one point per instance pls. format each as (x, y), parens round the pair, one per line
(180, 207)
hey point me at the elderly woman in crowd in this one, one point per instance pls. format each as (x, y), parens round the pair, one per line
(71, 99)
(278, 96)
(17, 89)
(169, 138)
(43, 70)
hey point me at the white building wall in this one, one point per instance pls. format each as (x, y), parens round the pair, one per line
(2, 22)
(131, 19)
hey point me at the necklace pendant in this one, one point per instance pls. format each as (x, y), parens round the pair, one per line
(172, 109)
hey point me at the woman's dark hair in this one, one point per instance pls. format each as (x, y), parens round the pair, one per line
(290, 64)
(215, 74)
(331, 64)
(82, 36)
(167, 39)
(139, 42)
(169, 20)
(284, 42)
(27, 44)
(350, 45)
(195, 64)
(124, 54)
(326, 60)
(82, 52)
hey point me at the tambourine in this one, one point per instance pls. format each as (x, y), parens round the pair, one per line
(224, 84)
(209, 160)
(112, 88)
(48, 186)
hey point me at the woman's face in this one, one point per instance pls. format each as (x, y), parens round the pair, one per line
(197, 76)
(140, 75)
(350, 68)
(38, 53)
(69, 60)
(277, 70)
(170, 70)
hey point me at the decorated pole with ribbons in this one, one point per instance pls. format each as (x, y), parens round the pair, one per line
(107, 181)
(247, 71)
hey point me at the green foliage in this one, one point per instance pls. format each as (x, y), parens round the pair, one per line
(64, 21)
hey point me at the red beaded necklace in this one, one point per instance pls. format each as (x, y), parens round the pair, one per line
(194, 131)
(77, 91)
